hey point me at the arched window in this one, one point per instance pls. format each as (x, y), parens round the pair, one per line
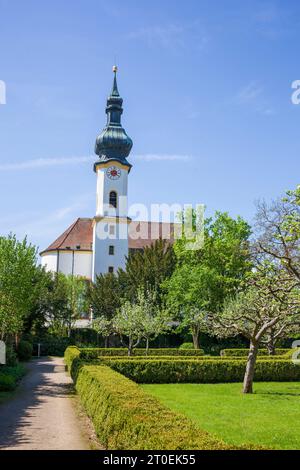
(113, 199)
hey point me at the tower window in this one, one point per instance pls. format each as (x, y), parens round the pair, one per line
(111, 250)
(113, 199)
(111, 269)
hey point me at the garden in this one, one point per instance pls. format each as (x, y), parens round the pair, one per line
(187, 349)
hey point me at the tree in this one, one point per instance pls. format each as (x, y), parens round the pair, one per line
(140, 319)
(155, 321)
(66, 302)
(270, 303)
(17, 287)
(278, 227)
(189, 297)
(147, 269)
(105, 299)
(129, 322)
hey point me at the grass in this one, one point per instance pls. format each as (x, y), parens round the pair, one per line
(270, 417)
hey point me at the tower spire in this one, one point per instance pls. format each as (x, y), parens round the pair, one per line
(113, 142)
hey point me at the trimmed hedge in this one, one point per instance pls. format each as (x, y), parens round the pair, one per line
(126, 417)
(206, 371)
(186, 346)
(94, 353)
(24, 351)
(244, 352)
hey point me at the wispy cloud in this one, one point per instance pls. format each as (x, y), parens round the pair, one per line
(252, 95)
(172, 35)
(53, 162)
(249, 93)
(44, 162)
(162, 157)
(43, 228)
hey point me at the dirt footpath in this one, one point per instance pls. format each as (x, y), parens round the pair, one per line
(42, 415)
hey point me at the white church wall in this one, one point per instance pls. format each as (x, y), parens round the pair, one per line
(49, 261)
(78, 263)
(83, 264)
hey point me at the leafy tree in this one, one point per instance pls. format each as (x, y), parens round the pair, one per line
(147, 269)
(189, 297)
(140, 319)
(269, 303)
(17, 287)
(66, 302)
(105, 299)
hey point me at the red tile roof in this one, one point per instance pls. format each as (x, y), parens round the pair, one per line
(79, 236)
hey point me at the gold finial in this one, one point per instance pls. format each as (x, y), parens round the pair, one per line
(115, 68)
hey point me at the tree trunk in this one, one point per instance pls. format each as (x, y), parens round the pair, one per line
(195, 335)
(271, 344)
(250, 368)
(147, 346)
(130, 346)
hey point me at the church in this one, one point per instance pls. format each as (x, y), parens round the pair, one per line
(98, 245)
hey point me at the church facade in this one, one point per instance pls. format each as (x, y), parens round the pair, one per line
(92, 246)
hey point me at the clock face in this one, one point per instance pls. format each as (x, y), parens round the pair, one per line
(113, 172)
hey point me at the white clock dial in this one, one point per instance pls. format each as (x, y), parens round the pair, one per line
(113, 173)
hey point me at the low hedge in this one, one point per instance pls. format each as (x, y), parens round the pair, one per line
(127, 418)
(206, 371)
(9, 377)
(244, 352)
(93, 353)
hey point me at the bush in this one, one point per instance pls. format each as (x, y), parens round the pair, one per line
(11, 356)
(245, 352)
(203, 371)
(125, 417)
(24, 350)
(9, 377)
(186, 346)
(94, 353)
(51, 345)
(7, 383)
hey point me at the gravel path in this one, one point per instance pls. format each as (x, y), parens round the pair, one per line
(42, 415)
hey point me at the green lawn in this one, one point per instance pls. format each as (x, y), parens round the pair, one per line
(270, 417)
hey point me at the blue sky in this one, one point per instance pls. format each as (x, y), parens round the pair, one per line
(207, 102)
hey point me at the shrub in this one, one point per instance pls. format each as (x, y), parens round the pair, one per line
(203, 371)
(186, 346)
(9, 377)
(245, 352)
(24, 350)
(7, 383)
(93, 353)
(51, 345)
(125, 417)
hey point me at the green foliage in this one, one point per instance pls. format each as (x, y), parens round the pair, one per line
(125, 417)
(24, 350)
(244, 352)
(9, 377)
(148, 269)
(186, 346)
(204, 371)
(94, 353)
(51, 345)
(11, 356)
(105, 296)
(17, 289)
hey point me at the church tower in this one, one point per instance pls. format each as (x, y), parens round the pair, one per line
(110, 225)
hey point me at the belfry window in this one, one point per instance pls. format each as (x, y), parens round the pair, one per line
(113, 199)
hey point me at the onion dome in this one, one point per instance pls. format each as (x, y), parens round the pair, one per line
(113, 143)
